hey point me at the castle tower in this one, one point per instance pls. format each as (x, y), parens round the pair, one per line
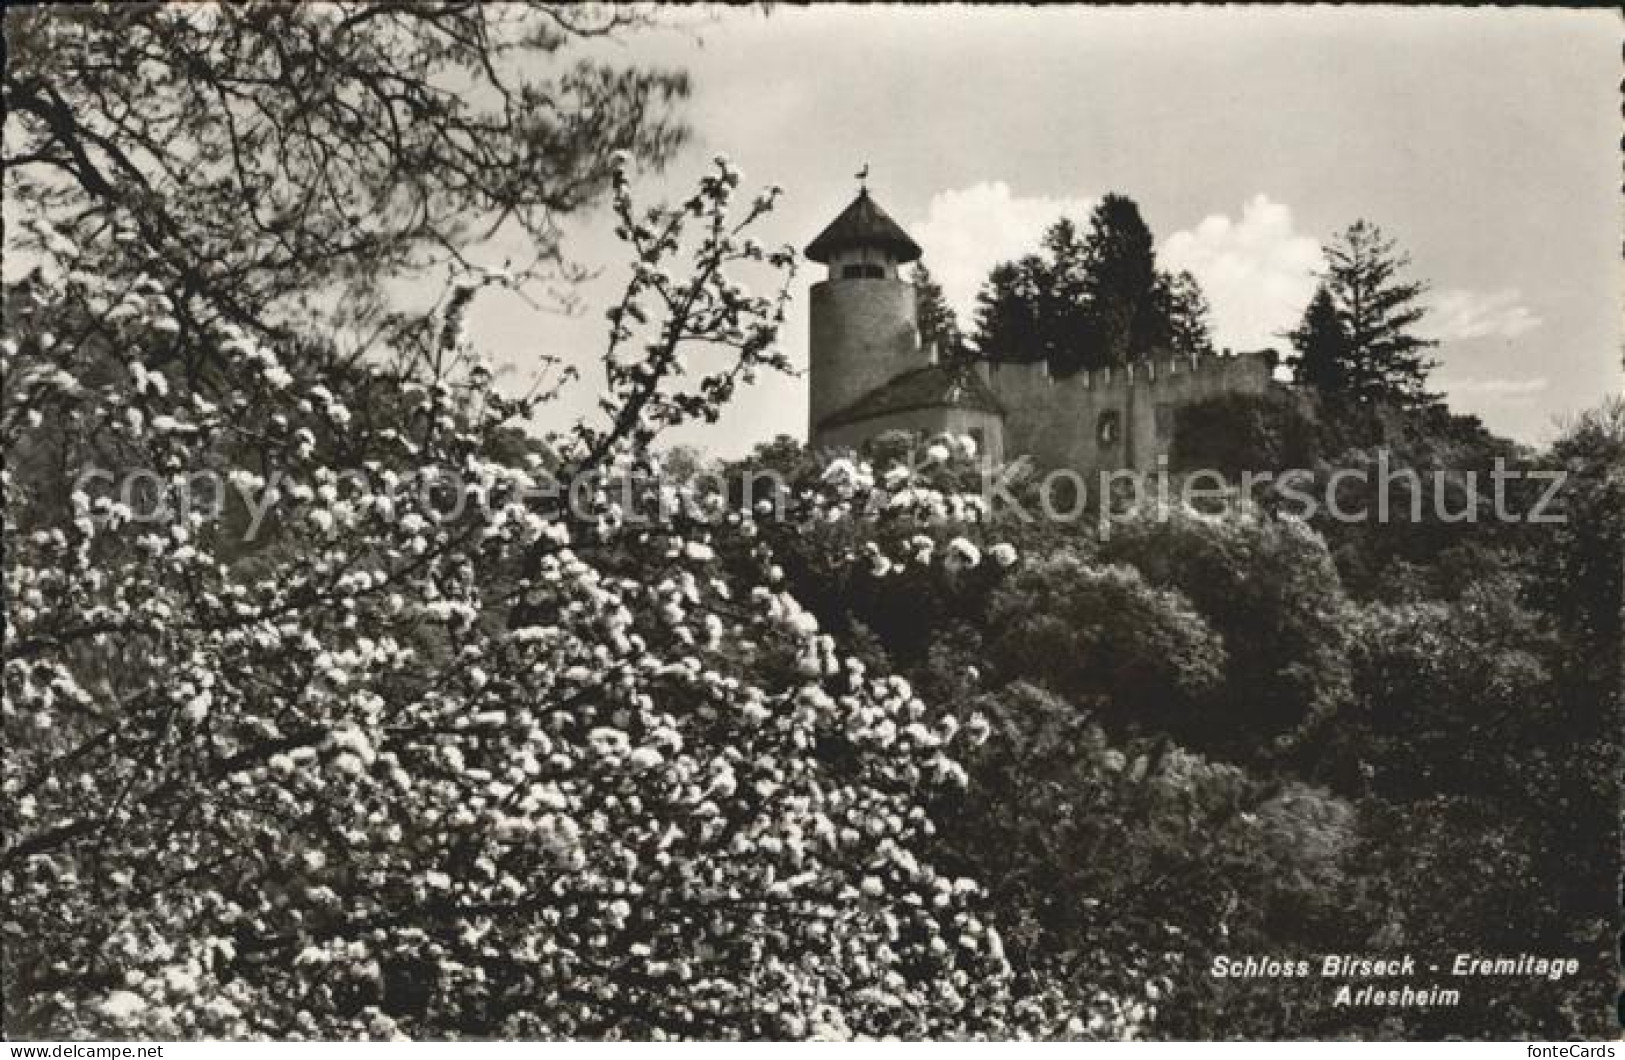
(864, 327)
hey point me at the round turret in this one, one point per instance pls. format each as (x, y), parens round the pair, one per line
(865, 321)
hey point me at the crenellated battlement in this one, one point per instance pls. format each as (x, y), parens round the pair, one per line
(1165, 370)
(1119, 416)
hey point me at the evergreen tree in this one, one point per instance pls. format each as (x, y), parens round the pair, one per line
(1010, 310)
(1065, 319)
(1322, 346)
(1379, 310)
(1125, 316)
(1187, 313)
(937, 321)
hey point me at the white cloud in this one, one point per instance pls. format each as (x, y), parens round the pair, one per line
(1455, 313)
(1258, 272)
(1499, 387)
(969, 230)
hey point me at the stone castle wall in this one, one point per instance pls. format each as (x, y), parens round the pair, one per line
(1113, 418)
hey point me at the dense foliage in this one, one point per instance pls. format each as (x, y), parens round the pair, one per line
(1208, 739)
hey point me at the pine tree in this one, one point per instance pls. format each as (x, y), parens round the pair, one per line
(1322, 346)
(1124, 315)
(1187, 312)
(1010, 309)
(1064, 316)
(1379, 310)
(937, 321)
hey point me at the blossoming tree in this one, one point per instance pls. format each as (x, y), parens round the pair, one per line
(387, 733)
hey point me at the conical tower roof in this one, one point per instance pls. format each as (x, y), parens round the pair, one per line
(863, 224)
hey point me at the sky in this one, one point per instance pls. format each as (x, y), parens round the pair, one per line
(1485, 141)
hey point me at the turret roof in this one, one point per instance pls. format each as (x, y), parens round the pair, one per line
(863, 224)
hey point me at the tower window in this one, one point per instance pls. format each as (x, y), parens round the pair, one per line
(863, 271)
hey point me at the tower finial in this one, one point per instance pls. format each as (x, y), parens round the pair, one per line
(863, 177)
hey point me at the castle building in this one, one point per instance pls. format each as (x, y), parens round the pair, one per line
(870, 372)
